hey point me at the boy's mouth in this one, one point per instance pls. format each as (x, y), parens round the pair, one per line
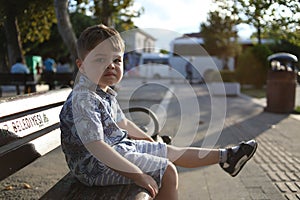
(109, 74)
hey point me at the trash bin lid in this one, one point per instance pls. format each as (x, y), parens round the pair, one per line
(283, 57)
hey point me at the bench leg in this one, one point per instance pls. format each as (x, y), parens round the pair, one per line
(29, 89)
(18, 89)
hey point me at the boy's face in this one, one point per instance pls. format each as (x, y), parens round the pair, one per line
(103, 65)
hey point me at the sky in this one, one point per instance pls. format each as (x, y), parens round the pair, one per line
(168, 19)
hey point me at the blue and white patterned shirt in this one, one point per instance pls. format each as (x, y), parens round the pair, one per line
(89, 114)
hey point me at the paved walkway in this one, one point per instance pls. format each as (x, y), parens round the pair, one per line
(274, 171)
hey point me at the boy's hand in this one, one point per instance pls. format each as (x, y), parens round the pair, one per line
(147, 182)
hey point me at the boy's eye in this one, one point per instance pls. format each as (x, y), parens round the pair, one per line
(101, 60)
(117, 60)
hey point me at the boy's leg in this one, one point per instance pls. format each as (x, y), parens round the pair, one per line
(231, 159)
(169, 184)
(192, 157)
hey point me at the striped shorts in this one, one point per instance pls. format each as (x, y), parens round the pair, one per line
(150, 157)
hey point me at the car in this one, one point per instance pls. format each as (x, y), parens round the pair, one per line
(151, 65)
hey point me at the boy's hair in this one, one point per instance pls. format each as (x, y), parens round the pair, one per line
(94, 35)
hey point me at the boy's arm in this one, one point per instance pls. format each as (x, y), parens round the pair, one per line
(111, 158)
(134, 132)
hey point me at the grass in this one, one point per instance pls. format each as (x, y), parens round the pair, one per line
(261, 93)
(297, 110)
(253, 92)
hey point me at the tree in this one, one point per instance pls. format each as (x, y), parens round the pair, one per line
(109, 12)
(9, 12)
(65, 27)
(55, 46)
(277, 16)
(24, 20)
(116, 13)
(219, 32)
(252, 65)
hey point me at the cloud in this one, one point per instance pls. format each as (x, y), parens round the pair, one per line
(176, 15)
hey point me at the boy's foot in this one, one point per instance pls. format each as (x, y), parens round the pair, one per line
(238, 156)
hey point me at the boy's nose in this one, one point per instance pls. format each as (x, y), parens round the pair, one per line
(111, 66)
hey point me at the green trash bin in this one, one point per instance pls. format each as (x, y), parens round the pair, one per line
(33, 62)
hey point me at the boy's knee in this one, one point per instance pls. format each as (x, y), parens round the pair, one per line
(171, 175)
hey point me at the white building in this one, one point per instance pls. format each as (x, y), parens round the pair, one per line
(139, 41)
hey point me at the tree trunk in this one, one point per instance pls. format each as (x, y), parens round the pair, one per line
(12, 34)
(65, 27)
(106, 13)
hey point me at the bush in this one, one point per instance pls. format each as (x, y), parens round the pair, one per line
(252, 66)
(228, 76)
(212, 76)
(219, 76)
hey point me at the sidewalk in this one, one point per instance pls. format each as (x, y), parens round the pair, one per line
(274, 171)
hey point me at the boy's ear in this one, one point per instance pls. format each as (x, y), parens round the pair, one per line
(78, 63)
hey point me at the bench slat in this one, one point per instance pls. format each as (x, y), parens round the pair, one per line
(22, 151)
(70, 188)
(53, 79)
(29, 128)
(17, 104)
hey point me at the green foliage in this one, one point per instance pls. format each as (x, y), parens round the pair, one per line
(212, 76)
(219, 76)
(254, 92)
(164, 51)
(252, 66)
(36, 21)
(219, 33)
(55, 46)
(117, 13)
(27, 22)
(286, 46)
(271, 18)
(228, 76)
(80, 22)
(297, 110)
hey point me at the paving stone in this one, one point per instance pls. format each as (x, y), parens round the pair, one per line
(282, 152)
(266, 160)
(297, 160)
(271, 191)
(290, 159)
(274, 159)
(273, 176)
(265, 167)
(282, 176)
(298, 175)
(297, 184)
(282, 187)
(291, 197)
(290, 167)
(291, 176)
(292, 186)
(257, 193)
(277, 157)
(297, 166)
(258, 159)
(274, 167)
(281, 167)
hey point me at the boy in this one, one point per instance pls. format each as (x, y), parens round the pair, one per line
(95, 132)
